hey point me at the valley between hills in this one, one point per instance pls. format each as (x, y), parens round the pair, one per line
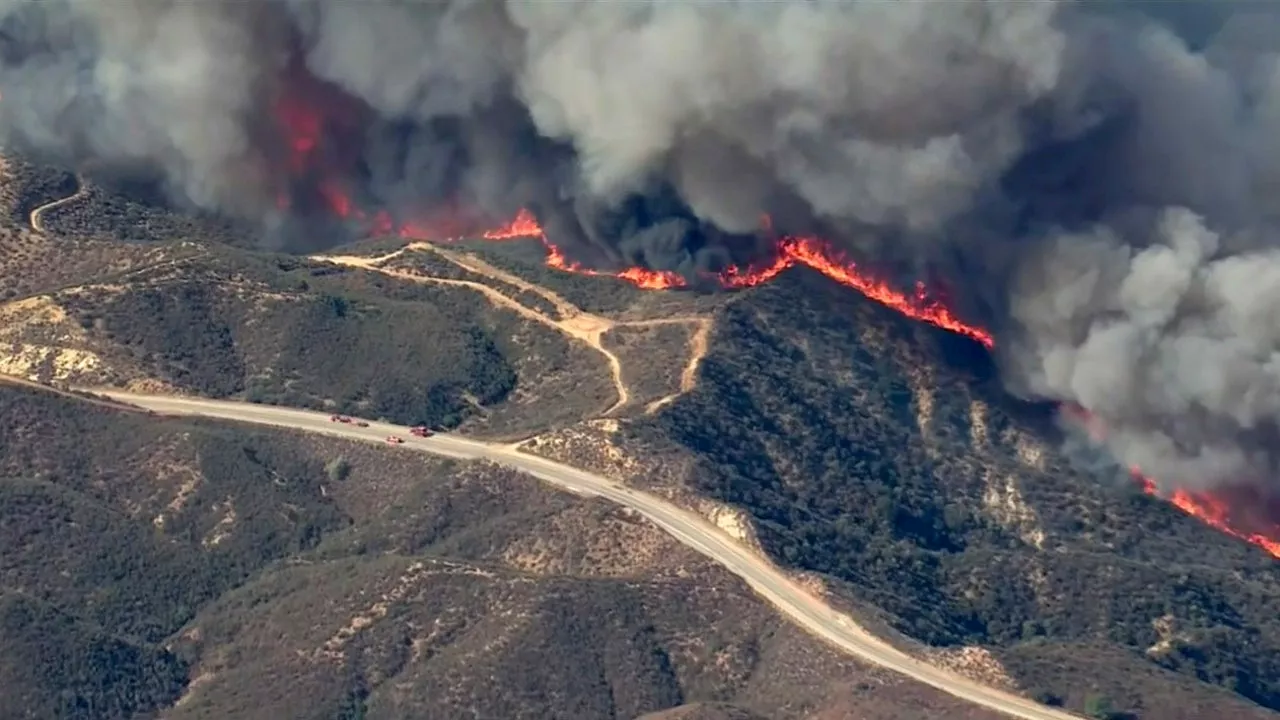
(229, 570)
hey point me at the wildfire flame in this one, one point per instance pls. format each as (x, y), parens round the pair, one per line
(789, 251)
(819, 255)
(1215, 512)
(816, 254)
(1208, 508)
(303, 126)
(525, 225)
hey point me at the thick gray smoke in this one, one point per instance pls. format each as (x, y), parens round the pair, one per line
(1101, 179)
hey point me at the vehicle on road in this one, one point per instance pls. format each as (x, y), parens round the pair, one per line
(362, 424)
(421, 431)
(339, 419)
(797, 602)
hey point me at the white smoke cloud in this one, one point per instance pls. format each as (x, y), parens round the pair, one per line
(1115, 166)
(1174, 347)
(870, 111)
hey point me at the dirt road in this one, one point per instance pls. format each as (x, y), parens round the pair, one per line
(807, 610)
(36, 219)
(578, 324)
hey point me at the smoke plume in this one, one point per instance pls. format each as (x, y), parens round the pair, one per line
(1100, 179)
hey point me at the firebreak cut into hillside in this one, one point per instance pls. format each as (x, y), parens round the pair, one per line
(1222, 510)
(1021, 151)
(578, 324)
(787, 309)
(1212, 509)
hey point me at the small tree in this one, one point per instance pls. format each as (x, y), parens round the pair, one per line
(1099, 707)
(1046, 697)
(338, 469)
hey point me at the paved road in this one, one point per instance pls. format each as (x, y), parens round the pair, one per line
(692, 530)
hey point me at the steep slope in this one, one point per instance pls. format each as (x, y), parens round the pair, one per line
(848, 442)
(221, 322)
(53, 664)
(77, 207)
(205, 570)
(882, 455)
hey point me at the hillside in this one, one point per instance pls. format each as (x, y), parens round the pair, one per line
(874, 454)
(416, 339)
(880, 453)
(119, 211)
(221, 323)
(200, 570)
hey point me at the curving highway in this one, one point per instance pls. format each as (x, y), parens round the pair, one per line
(795, 602)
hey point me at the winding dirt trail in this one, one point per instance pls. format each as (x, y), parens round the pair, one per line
(36, 218)
(480, 267)
(578, 324)
(699, 343)
(809, 611)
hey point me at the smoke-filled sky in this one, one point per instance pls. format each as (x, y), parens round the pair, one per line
(1101, 178)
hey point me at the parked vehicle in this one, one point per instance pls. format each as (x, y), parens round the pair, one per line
(421, 431)
(393, 440)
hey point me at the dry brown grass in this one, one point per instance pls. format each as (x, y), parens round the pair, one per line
(652, 358)
(535, 542)
(460, 619)
(32, 262)
(429, 263)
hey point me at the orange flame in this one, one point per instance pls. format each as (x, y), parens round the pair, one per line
(790, 251)
(1216, 513)
(1209, 509)
(304, 126)
(819, 255)
(303, 133)
(640, 277)
(524, 225)
(816, 254)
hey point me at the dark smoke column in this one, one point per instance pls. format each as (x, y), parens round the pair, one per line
(1098, 177)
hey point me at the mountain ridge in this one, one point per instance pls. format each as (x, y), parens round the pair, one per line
(763, 441)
